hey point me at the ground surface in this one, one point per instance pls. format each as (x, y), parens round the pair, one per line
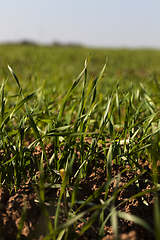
(34, 225)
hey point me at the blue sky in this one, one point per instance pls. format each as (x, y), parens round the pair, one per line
(97, 23)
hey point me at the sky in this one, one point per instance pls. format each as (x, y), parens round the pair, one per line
(96, 23)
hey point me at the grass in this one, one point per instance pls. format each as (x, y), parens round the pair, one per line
(41, 103)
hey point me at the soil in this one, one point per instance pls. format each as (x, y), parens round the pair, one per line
(11, 205)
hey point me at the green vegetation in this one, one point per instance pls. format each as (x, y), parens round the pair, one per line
(40, 104)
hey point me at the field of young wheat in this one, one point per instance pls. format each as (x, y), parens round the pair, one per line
(79, 143)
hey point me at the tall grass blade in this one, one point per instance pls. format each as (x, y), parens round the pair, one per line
(70, 91)
(15, 77)
(137, 220)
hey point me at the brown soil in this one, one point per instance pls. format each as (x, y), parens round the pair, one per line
(11, 206)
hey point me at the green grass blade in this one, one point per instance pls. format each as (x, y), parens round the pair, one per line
(137, 220)
(15, 77)
(75, 83)
(104, 118)
(94, 83)
(109, 163)
(114, 221)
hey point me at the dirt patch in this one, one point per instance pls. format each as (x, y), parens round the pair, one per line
(12, 205)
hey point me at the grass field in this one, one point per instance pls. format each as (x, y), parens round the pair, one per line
(95, 113)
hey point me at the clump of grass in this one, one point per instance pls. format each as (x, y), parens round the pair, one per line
(124, 124)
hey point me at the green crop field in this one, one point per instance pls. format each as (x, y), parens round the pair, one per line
(64, 95)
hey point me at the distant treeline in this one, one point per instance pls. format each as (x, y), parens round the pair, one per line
(56, 43)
